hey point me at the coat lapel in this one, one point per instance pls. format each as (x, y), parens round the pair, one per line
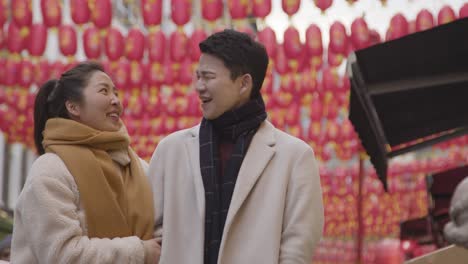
(260, 152)
(193, 148)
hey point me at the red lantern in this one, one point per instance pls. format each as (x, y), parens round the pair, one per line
(92, 43)
(323, 4)
(101, 13)
(67, 40)
(156, 46)
(313, 38)
(51, 13)
(151, 11)
(26, 74)
(114, 44)
(39, 37)
(290, 7)
(374, 37)
(330, 79)
(360, 33)
(56, 69)
(212, 9)
(238, 8)
(424, 20)
(22, 12)
(2, 38)
(462, 13)
(398, 27)
(197, 36)
(186, 75)
(338, 38)
(181, 11)
(137, 75)
(15, 41)
(179, 45)
(292, 43)
(120, 74)
(41, 72)
(268, 38)
(446, 15)
(334, 59)
(281, 61)
(170, 72)
(80, 12)
(3, 12)
(261, 8)
(155, 73)
(135, 45)
(11, 69)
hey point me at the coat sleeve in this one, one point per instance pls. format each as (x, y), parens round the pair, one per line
(47, 226)
(303, 216)
(156, 176)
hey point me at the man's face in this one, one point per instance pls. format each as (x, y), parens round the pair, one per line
(218, 93)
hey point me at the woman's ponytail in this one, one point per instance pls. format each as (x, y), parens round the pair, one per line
(41, 112)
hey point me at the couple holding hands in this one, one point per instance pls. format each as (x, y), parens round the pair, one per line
(233, 189)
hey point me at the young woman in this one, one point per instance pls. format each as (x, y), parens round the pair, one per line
(86, 199)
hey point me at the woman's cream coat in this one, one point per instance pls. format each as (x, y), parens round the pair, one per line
(50, 224)
(276, 212)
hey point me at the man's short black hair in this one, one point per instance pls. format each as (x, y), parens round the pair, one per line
(240, 54)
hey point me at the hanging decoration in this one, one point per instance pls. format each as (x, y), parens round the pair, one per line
(181, 11)
(338, 38)
(290, 7)
(15, 41)
(238, 9)
(212, 9)
(360, 33)
(398, 27)
(135, 45)
(3, 12)
(446, 15)
(323, 5)
(38, 33)
(198, 35)
(92, 43)
(462, 13)
(268, 38)
(80, 12)
(22, 12)
(51, 13)
(261, 8)
(114, 44)
(101, 13)
(424, 20)
(156, 46)
(178, 46)
(151, 11)
(67, 40)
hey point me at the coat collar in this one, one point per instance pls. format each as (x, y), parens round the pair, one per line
(260, 152)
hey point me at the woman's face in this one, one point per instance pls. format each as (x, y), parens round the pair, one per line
(101, 107)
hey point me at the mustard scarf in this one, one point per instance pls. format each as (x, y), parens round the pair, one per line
(116, 204)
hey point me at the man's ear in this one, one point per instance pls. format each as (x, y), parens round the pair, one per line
(246, 84)
(73, 108)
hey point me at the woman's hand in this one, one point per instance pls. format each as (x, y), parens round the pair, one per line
(152, 251)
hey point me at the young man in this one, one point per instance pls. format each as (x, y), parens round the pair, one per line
(234, 189)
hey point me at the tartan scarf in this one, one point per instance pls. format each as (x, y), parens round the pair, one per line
(237, 126)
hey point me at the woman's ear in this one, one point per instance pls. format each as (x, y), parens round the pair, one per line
(72, 108)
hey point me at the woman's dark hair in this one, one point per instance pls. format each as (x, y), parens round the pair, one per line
(51, 97)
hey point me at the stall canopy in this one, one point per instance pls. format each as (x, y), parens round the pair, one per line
(410, 93)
